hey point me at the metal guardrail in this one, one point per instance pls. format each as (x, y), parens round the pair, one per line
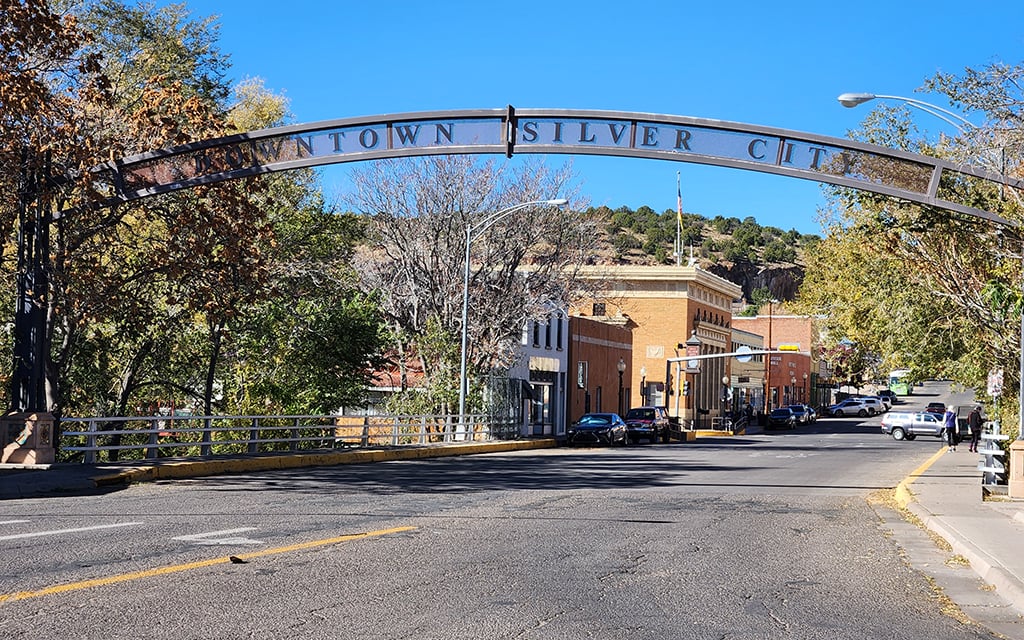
(150, 437)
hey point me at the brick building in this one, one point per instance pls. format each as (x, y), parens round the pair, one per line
(595, 349)
(665, 306)
(792, 376)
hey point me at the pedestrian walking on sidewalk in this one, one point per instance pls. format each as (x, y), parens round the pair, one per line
(949, 422)
(974, 424)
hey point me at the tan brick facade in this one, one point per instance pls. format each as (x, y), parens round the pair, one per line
(665, 306)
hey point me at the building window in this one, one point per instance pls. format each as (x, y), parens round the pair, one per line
(547, 333)
(599, 309)
(559, 334)
(536, 334)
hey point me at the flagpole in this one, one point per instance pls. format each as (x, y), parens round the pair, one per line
(679, 222)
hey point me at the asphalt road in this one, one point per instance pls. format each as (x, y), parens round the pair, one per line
(765, 536)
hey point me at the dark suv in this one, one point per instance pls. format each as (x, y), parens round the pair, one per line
(647, 422)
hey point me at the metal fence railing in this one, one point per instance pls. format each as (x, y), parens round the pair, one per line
(148, 437)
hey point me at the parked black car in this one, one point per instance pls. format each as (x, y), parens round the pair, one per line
(782, 417)
(647, 422)
(804, 413)
(598, 428)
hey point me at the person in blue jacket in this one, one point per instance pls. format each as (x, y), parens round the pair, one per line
(949, 422)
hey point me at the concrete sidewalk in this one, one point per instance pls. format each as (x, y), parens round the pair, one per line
(945, 493)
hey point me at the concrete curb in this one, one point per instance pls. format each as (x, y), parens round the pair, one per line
(201, 468)
(1006, 585)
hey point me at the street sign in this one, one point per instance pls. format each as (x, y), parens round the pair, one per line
(692, 366)
(995, 382)
(743, 358)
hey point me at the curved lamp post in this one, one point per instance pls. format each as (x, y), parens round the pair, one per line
(474, 231)
(957, 121)
(621, 366)
(963, 125)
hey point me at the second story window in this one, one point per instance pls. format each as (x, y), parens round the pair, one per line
(536, 334)
(559, 332)
(599, 309)
(547, 334)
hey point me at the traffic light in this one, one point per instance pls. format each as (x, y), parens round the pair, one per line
(686, 387)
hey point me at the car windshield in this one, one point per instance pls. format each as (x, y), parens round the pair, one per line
(640, 414)
(781, 412)
(594, 420)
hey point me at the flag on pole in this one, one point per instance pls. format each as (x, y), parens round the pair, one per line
(679, 202)
(679, 222)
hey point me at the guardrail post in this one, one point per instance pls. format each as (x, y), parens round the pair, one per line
(254, 435)
(205, 448)
(394, 432)
(153, 451)
(294, 444)
(90, 443)
(364, 440)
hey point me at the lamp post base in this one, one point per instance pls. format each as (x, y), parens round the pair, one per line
(27, 438)
(1016, 488)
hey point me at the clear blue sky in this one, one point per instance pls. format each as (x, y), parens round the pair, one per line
(778, 64)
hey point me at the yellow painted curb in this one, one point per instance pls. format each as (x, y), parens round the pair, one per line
(200, 468)
(903, 494)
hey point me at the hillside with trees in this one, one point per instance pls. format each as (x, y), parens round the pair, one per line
(766, 261)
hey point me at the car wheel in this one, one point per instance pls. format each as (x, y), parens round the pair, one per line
(862, 413)
(898, 434)
(911, 436)
(838, 413)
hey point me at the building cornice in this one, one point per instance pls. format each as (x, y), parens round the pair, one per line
(661, 273)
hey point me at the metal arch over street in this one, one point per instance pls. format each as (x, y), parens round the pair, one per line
(908, 176)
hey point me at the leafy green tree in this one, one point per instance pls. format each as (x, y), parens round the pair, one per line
(926, 289)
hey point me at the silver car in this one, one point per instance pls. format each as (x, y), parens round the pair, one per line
(906, 425)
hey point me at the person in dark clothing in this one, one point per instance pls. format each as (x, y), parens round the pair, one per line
(974, 423)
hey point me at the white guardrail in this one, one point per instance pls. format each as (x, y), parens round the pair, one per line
(149, 437)
(989, 451)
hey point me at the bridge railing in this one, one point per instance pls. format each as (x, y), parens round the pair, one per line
(97, 440)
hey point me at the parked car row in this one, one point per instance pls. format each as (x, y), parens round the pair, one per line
(860, 406)
(650, 423)
(792, 415)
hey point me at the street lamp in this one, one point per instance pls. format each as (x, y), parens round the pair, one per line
(963, 125)
(807, 394)
(768, 362)
(643, 386)
(957, 121)
(473, 231)
(621, 366)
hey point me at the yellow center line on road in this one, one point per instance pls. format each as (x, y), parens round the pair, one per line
(160, 571)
